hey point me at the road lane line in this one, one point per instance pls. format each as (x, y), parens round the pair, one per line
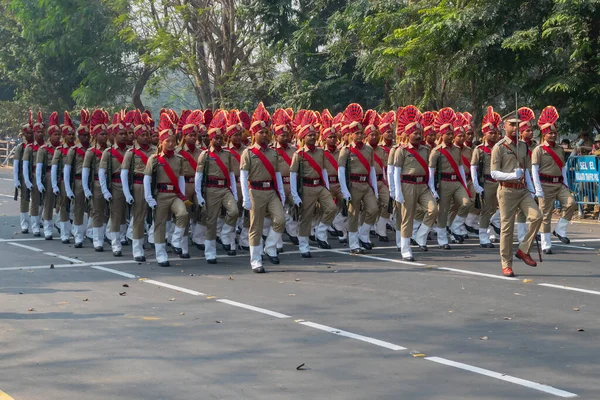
(21, 240)
(73, 260)
(464, 271)
(114, 271)
(569, 288)
(47, 266)
(346, 252)
(4, 396)
(503, 377)
(573, 247)
(351, 335)
(25, 246)
(7, 195)
(252, 308)
(178, 288)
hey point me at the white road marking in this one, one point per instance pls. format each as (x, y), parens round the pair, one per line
(574, 247)
(178, 288)
(21, 240)
(73, 260)
(346, 252)
(503, 377)
(351, 335)
(25, 246)
(114, 271)
(47, 266)
(257, 309)
(464, 271)
(569, 288)
(7, 195)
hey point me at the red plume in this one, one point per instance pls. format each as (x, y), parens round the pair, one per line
(218, 124)
(233, 123)
(260, 118)
(245, 119)
(547, 120)
(491, 121)
(408, 120)
(309, 120)
(97, 122)
(182, 119)
(53, 123)
(387, 120)
(444, 120)
(281, 121)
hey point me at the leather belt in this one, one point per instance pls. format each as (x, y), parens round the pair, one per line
(413, 179)
(138, 179)
(286, 180)
(512, 185)
(165, 188)
(364, 178)
(216, 183)
(311, 182)
(262, 185)
(116, 178)
(449, 177)
(551, 178)
(333, 179)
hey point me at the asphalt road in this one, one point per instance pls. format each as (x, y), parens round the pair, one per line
(446, 327)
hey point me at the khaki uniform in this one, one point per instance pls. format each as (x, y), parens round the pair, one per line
(135, 165)
(59, 159)
(113, 171)
(554, 188)
(380, 156)
(334, 183)
(313, 191)
(482, 159)
(18, 156)
(521, 217)
(30, 154)
(44, 156)
(235, 168)
(285, 155)
(513, 195)
(189, 173)
(397, 206)
(98, 204)
(74, 159)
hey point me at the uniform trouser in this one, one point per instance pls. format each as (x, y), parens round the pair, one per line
(168, 204)
(263, 202)
(510, 200)
(98, 207)
(48, 199)
(489, 203)
(23, 203)
(417, 195)
(452, 192)
(78, 203)
(398, 213)
(419, 213)
(383, 191)
(190, 193)
(362, 193)
(471, 207)
(34, 202)
(245, 215)
(63, 202)
(117, 207)
(215, 199)
(553, 192)
(311, 196)
(138, 211)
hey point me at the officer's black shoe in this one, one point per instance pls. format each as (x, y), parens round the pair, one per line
(343, 241)
(496, 229)
(458, 238)
(547, 251)
(411, 258)
(199, 246)
(226, 247)
(36, 234)
(57, 228)
(274, 260)
(139, 259)
(323, 244)
(390, 228)
(487, 245)
(413, 242)
(78, 245)
(563, 239)
(383, 238)
(125, 242)
(164, 264)
(424, 248)
(312, 238)
(245, 248)
(218, 240)
(368, 246)
(280, 250)
(99, 249)
(294, 240)
(107, 240)
(212, 261)
(471, 229)
(24, 231)
(334, 232)
(306, 255)
(495, 240)
(48, 237)
(184, 255)
(177, 250)
(232, 253)
(117, 253)
(373, 234)
(263, 236)
(259, 270)
(445, 247)
(357, 251)
(66, 241)
(539, 237)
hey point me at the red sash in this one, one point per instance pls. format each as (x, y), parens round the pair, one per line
(467, 164)
(221, 166)
(64, 150)
(267, 164)
(554, 156)
(141, 155)
(454, 167)
(235, 155)
(116, 155)
(420, 160)
(486, 149)
(50, 150)
(313, 164)
(331, 159)
(171, 175)
(386, 150)
(284, 155)
(80, 151)
(362, 159)
(189, 159)
(383, 169)
(97, 153)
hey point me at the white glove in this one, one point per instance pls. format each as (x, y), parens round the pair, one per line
(201, 201)
(478, 189)
(38, 177)
(88, 193)
(198, 188)
(26, 175)
(519, 173)
(373, 179)
(431, 184)
(342, 181)
(280, 186)
(293, 188)
(297, 200)
(148, 191)
(103, 185)
(399, 196)
(539, 193)
(233, 186)
(151, 202)
(129, 198)
(54, 179)
(67, 180)
(125, 185)
(16, 180)
(346, 195)
(391, 180)
(107, 196)
(56, 191)
(247, 204)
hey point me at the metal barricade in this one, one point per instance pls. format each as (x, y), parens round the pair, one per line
(583, 175)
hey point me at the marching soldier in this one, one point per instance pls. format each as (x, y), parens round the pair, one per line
(358, 179)
(526, 134)
(165, 171)
(549, 174)
(262, 189)
(446, 161)
(510, 166)
(411, 178)
(132, 179)
(331, 152)
(216, 188)
(236, 148)
(90, 179)
(43, 170)
(58, 185)
(485, 186)
(72, 177)
(29, 173)
(308, 174)
(18, 175)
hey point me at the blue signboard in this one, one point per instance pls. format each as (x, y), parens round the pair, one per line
(586, 169)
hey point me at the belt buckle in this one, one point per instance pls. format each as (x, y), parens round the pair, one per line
(419, 179)
(555, 180)
(220, 182)
(316, 181)
(363, 178)
(266, 184)
(170, 187)
(453, 177)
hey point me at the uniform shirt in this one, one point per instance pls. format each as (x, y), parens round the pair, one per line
(330, 168)
(237, 159)
(545, 161)
(479, 155)
(213, 169)
(92, 158)
(379, 153)
(30, 153)
(254, 166)
(45, 155)
(188, 169)
(60, 155)
(308, 171)
(408, 162)
(356, 167)
(175, 162)
(138, 163)
(115, 167)
(284, 167)
(392, 156)
(506, 159)
(466, 155)
(386, 153)
(75, 158)
(531, 145)
(20, 150)
(445, 166)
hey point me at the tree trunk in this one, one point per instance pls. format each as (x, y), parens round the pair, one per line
(136, 95)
